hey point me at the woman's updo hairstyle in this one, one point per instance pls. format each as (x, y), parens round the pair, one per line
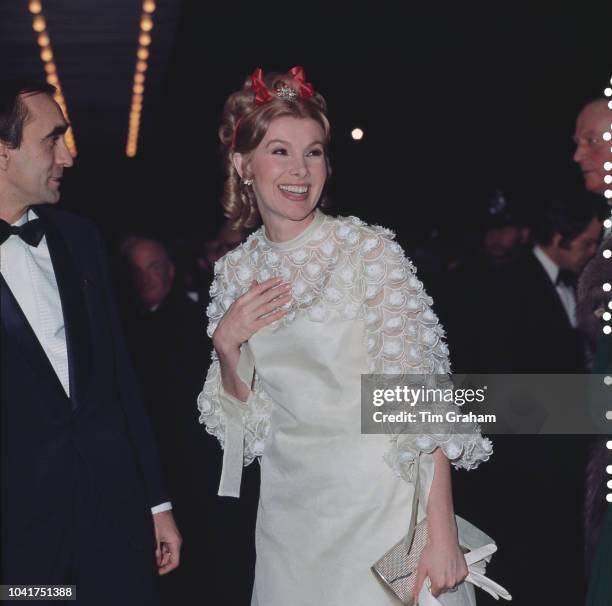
(247, 114)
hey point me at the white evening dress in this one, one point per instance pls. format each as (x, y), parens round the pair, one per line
(332, 500)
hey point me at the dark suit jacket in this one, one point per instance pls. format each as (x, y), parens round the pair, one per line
(64, 458)
(171, 353)
(526, 327)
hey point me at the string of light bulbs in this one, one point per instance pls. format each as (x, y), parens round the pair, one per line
(39, 25)
(140, 70)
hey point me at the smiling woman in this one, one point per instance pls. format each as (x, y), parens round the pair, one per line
(289, 171)
(256, 125)
(299, 312)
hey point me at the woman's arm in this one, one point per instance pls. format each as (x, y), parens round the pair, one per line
(442, 559)
(405, 337)
(237, 412)
(228, 362)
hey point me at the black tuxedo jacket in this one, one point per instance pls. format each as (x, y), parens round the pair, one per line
(64, 459)
(526, 328)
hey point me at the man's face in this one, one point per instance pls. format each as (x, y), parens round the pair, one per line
(502, 242)
(32, 173)
(152, 272)
(592, 152)
(581, 249)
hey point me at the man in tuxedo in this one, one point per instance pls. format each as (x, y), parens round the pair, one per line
(529, 326)
(532, 309)
(83, 499)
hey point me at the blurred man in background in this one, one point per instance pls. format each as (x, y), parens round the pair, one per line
(166, 333)
(592, 153)
(501, 237)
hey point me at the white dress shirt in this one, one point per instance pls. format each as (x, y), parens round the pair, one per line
(565, 292)
(29, 273)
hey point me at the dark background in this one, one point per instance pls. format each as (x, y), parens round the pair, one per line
(455, 100)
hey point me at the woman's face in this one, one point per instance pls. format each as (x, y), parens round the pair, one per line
(289, 171)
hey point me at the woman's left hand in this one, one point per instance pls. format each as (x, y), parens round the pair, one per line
(444, 563)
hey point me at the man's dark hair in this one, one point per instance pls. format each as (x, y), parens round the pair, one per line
(569, 218)
(13, 112)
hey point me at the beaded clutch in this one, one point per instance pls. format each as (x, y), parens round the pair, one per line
(397, 568)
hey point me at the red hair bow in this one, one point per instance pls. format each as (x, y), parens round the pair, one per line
(262, 94)
(259, 87)
(306, 89)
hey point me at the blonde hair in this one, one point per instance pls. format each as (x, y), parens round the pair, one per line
(243, 126)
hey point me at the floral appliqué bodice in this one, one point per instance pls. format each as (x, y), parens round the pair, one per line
(341, 269)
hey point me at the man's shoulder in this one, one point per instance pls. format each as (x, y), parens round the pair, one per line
(525, 264)
(518, 276)
(181, 305)
(66, 220)
(78, 233)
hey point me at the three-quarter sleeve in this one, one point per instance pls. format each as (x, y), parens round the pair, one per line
(240, 427)
(404, 336)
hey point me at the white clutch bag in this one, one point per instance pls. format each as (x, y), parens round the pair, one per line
(397, 567)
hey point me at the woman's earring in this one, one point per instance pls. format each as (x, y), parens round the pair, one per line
(247, 182)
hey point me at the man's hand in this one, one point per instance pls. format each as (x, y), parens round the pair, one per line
(168, 542)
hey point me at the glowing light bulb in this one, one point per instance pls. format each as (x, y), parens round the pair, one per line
(146, 23)
(35, 7)
(39, 24)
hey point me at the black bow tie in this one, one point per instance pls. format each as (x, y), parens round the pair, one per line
(567, 277)
(31, 232)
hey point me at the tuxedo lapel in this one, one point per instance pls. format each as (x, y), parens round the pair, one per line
(19, 330)
(76, 322)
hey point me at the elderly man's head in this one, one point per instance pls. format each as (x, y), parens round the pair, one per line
(592, 150)
(151, 269)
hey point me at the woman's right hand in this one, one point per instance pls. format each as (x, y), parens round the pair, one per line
(244, 316)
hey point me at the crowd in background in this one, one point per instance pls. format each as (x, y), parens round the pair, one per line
(525, 297)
